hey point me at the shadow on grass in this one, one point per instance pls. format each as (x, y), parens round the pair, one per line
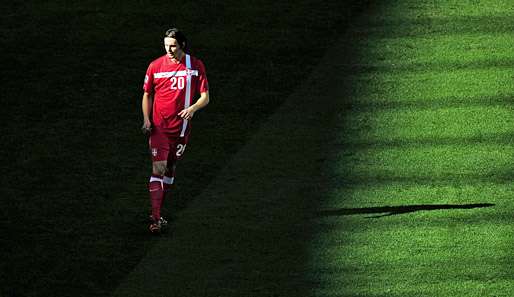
(430, 103)
(85, 234)
(386, 211)
(349, 180)
(447, 66)
(445, 25)
(460, 140)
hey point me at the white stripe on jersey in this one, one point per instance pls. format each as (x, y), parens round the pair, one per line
(188, 91)
(175, 73)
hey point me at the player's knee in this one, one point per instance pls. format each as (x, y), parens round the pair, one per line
(159, 167)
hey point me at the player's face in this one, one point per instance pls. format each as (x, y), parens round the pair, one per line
(172, 48)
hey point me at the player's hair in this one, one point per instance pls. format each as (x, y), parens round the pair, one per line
(179, 36)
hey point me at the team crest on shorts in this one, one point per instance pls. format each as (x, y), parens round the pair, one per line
(154, 152)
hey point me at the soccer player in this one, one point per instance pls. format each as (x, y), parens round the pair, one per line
(175, 88)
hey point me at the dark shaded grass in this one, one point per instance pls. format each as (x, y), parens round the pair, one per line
(251, 225)
(74, 166)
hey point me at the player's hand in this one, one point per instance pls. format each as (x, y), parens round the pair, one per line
(187, 113)
(147, 127)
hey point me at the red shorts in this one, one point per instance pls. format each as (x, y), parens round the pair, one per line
(166, 147)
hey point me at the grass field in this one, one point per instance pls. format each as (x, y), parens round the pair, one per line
(74, 164)
(422, 183)
(406, 193)
(382, 167)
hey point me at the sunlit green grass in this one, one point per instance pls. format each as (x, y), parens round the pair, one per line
(431, 123)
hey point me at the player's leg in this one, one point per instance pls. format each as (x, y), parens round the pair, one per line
(177, 148)
(168, 180)
(157, 188)
(159, 150)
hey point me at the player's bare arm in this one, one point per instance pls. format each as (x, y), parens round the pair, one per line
(200, 103)
(146, 106)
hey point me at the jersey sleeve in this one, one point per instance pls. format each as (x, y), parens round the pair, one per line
(148, 84)
(203, 84)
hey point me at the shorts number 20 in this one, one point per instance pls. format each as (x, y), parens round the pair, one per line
(180, 149)
(177, 82)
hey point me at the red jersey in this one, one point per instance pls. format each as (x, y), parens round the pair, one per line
(174, 86)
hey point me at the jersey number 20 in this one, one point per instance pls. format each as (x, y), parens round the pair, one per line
(177, 82)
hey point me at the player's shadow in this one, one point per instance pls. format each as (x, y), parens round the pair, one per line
(385, 211)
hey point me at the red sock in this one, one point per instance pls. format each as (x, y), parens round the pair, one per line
(156, 195)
